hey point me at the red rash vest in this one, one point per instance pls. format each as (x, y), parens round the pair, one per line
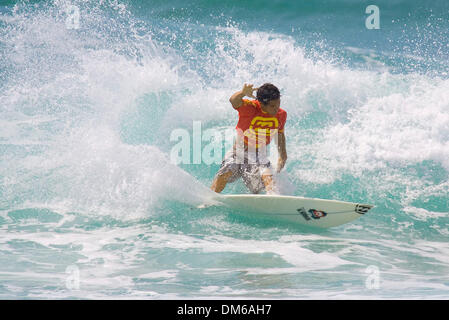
(256, 124)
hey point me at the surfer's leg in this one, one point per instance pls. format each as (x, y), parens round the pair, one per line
(259, 176)
(220, 181)
(228, 172)
(268, 181)
(251, 178)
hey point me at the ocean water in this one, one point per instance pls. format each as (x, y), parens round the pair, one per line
(92, 205)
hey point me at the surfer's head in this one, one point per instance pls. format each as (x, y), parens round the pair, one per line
(269, 97)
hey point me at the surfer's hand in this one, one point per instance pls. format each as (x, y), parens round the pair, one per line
(248, 90)
(281, 164)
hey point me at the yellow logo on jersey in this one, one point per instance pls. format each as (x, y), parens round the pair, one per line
(261, 128)
(263, 125)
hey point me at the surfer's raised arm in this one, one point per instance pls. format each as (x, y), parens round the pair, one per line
(237, 98)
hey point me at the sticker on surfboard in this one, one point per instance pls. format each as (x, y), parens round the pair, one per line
(311, 214)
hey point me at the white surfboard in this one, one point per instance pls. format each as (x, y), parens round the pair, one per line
(298, 210)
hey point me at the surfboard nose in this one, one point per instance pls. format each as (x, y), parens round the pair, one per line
(363, 208)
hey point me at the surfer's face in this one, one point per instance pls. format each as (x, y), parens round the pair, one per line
(272, 107)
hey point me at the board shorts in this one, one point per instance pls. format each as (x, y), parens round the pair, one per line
(250, 171)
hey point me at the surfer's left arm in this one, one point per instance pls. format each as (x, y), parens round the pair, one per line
(282, 151)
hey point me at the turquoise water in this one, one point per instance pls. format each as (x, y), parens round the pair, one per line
(92, 206)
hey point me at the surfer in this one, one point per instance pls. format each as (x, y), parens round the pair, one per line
(259, 121)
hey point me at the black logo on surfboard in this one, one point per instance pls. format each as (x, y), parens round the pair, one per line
(362, 209)
(311, 214)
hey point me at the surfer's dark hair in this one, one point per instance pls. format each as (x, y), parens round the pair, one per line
(268, 92)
